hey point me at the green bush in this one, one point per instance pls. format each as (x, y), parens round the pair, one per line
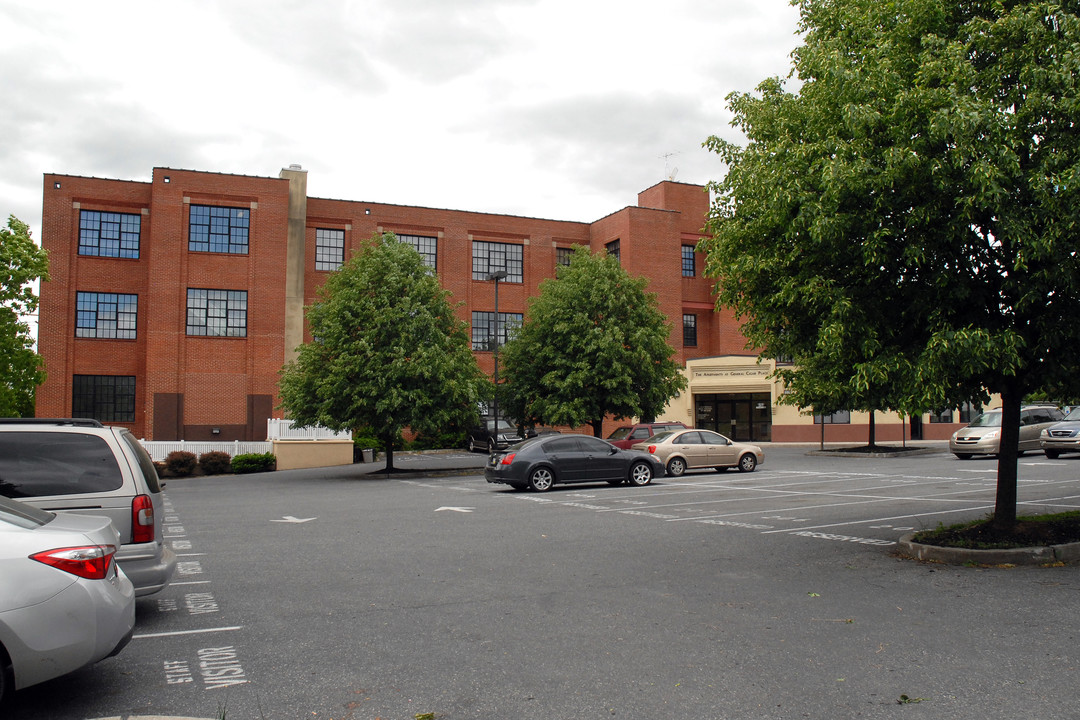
(215, 462)
(438, 441)
(181, 463)
(253, 462)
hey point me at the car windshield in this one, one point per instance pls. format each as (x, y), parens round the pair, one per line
(504, 426)
(990, 419)
(1074, 414)
(619, 434)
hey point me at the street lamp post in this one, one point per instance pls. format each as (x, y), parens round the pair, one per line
(496, 276)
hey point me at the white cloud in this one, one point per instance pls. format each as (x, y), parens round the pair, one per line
(553, 108)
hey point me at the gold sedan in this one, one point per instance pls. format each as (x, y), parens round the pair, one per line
(682, 450)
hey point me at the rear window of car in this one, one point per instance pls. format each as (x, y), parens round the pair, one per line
(23, 516)
(37, 464)
(146, 463)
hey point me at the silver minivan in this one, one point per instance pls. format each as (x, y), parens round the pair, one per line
(982, 436)
(82, 466)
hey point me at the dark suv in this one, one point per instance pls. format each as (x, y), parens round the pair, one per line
(626, 435)
(484, 438)
(81, 466)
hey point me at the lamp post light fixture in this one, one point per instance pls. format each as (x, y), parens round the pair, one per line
(496, 276)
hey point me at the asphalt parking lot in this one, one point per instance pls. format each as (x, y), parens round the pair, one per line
(773, 594)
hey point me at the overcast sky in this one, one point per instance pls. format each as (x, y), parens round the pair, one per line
(560, 109)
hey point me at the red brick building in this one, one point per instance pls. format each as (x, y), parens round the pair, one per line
(173, 304)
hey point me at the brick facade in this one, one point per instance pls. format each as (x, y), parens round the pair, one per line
(199, 388)
(195, 387)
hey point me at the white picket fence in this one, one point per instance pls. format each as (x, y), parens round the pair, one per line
(275, 430)
(160, 449)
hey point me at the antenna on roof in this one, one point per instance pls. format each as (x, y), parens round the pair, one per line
(669, 172)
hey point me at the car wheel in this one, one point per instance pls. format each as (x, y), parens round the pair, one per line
(676, 467)
(472, 444)
(491, 447)
(541, 479)
(1052, 454)
(640, 474)
(6, 674)
(747, 463)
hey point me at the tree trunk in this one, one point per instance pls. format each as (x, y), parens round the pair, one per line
(388, 449)
(1005, 504)
(598, 428)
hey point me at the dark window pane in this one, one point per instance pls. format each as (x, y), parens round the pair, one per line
(38, 464)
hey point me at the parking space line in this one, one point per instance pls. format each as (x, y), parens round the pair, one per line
(187, 632)
(882, 519)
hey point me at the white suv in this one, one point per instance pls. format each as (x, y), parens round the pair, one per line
(82, 466)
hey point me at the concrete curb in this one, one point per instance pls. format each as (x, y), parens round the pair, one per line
(1069, 553)
(910, 451)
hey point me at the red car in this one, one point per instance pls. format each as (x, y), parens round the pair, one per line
(625, 436)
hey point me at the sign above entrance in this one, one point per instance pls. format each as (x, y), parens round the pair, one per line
(751, 371)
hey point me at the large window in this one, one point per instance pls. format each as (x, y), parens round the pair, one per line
(969, 411)
(483, 328)
(329, 249)
(217, 313)
(614, 250)
(840, 417)
(218, 229)
(108, 398)
(109, 234)
(105, 315)
(563, 255)
(689, 262)
(426, 246)
(689, 330)
(489, 257)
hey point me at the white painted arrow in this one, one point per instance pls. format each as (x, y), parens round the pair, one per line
(291, 519)
(456, 509)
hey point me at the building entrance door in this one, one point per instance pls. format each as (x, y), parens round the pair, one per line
(745, 417)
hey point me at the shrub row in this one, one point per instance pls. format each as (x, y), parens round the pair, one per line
(181, 463)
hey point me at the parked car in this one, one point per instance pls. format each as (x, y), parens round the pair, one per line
(64, 602)
(1062, 437)
(625, 436)
(682, 450)
(541, 462)
(982, 436)
(483, 437)
(81, 466)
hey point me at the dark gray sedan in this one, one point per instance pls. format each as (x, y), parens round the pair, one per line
(541, 462)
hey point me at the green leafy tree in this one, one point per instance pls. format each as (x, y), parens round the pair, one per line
(388, 351)
(593, 344)
(905, 224)
(21, 368)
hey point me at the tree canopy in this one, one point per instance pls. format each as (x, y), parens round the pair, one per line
(21, 369)
(592, 344)
(904, 225)
(387, 352)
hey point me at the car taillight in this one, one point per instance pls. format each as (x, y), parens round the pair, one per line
(652, 449)
(508, 458)
(142, 519)
(90, 562)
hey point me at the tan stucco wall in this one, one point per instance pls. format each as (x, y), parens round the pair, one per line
(296, 454)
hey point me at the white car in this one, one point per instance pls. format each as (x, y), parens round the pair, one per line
(64, 602)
